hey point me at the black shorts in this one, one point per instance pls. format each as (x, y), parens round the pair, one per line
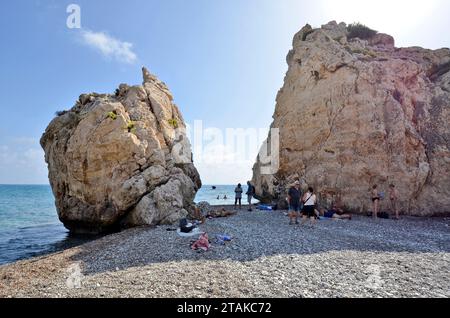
(309, 210)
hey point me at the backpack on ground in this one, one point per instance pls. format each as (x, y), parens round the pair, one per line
(383, 215)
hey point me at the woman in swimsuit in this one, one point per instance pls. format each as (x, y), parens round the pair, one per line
(375, 201)
(393, 195)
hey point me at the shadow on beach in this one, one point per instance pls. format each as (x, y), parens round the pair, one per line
(261, 234)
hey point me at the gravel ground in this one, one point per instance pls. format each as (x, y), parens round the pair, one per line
(266, 258)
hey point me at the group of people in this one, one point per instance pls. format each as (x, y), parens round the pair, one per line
(238, 195)
(305, 205)
(299, 204)
(378, 196)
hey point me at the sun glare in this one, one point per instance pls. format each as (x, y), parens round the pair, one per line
(391, 16)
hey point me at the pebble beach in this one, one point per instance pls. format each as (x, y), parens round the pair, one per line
(265, 258)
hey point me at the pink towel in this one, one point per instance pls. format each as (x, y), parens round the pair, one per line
(201, 243)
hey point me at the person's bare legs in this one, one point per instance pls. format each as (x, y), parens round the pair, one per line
(291, 218)
(375, 209)
(313, 221)
(394, 209)
(304, 220)
(377, 205)
(293, 215)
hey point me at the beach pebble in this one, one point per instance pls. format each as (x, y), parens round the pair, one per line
(358, 258)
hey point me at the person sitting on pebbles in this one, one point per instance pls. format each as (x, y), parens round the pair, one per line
(336, 213)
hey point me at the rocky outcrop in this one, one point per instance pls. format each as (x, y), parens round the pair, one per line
(121, 160)
(359, 112)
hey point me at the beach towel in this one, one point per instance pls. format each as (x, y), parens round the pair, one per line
(221, 239)
(202, 243)
(264, 207)
(194, 232)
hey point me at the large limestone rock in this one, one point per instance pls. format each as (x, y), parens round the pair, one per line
(121, 160)
(353, 113)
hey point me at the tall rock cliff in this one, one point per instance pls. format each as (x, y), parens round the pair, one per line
(357, 112)
(121, 160)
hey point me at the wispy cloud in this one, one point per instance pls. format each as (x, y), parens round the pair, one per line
(109, 46)
(22, 163)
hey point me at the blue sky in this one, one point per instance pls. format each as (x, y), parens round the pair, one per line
(224, 61)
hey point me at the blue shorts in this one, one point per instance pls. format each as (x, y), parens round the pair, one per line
(329, 214)
(294, 207)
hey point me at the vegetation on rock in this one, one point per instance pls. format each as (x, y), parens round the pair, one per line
(358, 30)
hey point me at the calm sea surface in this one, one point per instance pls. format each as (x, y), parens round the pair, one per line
(29, 224)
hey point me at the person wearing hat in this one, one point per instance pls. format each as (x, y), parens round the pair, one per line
(294, 196)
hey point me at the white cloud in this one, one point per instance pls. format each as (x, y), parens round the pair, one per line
(109, 46)
(21, 164)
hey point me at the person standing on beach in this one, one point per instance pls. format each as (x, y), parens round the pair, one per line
(309, 206)
(375, 201)
(238, 197)
(250, 193)
(393, 196)
(294, 196)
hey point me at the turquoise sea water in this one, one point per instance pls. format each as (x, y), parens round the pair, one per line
(208, 194)
(29, 224)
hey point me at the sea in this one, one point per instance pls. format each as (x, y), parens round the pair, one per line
(29, 224)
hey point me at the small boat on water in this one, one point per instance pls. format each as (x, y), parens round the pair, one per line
(214, 187)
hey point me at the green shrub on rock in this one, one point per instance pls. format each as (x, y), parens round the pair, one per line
(173, 122)
(358, 30)
(131, 127)
(112, 115)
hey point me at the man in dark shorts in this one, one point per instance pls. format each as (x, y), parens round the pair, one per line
(294, 196)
